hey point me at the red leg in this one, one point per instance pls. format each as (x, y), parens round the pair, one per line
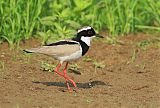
(67, 78)
(57, 68)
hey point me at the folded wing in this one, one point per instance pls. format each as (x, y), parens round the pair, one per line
(56, 49)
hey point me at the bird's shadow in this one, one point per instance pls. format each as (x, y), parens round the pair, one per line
(86, 85)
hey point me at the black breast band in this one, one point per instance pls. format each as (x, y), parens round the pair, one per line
(84, 46)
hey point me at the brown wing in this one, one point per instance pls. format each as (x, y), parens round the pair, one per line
(59, 50)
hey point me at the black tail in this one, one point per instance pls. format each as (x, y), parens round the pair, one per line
(27, 51)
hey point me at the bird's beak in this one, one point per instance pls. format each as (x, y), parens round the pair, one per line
(99, 36)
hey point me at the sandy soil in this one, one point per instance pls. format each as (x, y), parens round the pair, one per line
(130, 78)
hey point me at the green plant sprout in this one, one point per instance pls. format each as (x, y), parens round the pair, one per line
(133, 57)
(97, 65)
(141, 66)
(74, 67)
(144, 44)
(87, 59)
(47, 67)
(1, 65)
(89, 101)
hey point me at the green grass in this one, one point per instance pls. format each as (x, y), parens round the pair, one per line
(54, 19)
(19, 19)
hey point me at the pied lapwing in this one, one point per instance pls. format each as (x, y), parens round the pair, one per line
(68, 50)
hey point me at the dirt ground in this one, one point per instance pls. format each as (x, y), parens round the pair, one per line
(130, 78)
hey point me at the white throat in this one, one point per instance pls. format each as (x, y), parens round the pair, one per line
(87, 40)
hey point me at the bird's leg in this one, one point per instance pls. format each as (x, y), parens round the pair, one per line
(67, 78)
(65, 75)
(57, 68)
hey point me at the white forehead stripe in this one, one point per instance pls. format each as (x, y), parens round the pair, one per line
(84, 28)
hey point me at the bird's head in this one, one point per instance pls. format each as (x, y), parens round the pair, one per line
(86, 34)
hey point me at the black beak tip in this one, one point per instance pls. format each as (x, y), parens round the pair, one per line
(99, 36)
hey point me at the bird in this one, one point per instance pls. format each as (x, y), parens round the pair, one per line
(68, 50)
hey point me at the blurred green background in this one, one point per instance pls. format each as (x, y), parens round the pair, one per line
(54, 19)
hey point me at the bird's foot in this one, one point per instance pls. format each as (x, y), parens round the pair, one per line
(69, 88)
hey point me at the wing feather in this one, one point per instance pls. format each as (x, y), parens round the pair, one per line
(57, 50)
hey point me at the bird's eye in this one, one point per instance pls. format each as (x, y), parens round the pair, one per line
(89, 32)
